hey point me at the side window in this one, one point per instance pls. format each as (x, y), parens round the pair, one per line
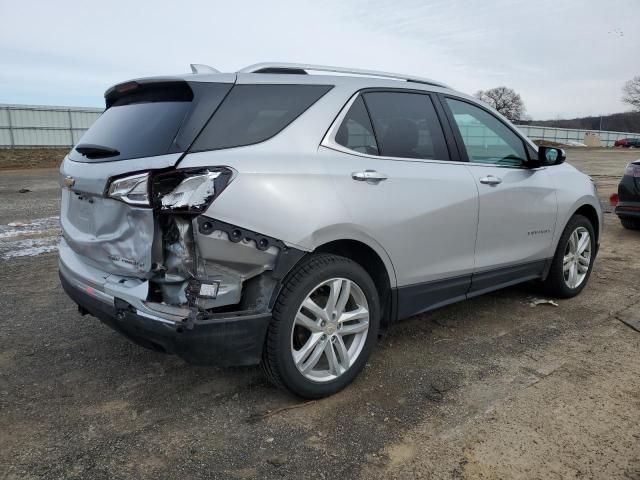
(356, 132)
(487, 139)
(406, 125)
(254, 113)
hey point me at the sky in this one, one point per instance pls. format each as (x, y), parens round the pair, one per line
(566, 58)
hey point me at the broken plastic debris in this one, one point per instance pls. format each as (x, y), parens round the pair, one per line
(542, 301)
(191, 192)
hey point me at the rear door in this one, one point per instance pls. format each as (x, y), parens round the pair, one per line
(403, 189)
(518, 206)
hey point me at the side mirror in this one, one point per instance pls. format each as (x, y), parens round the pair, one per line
(550, 156)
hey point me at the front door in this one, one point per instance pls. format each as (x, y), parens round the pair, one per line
(518, 206)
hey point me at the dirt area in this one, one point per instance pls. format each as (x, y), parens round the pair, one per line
(31, 158)
(488, 388)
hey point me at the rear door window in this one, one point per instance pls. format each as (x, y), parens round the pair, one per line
(356, 131)
(254, 113)
(406, 125)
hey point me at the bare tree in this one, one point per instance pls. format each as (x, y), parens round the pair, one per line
(631, 92)
(505, 100)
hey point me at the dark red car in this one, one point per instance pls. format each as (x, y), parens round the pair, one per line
(627, 142)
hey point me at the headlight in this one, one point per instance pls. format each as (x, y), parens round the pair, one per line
(133, 189)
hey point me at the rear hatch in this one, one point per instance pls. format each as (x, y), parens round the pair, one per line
(147, 125)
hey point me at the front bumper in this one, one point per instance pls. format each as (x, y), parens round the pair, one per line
(223, 339)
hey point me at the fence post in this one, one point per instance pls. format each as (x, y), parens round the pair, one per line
(11, 138)
(70, 128)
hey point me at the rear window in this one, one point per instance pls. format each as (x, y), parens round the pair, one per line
(406, 125)
(254, 113)
(146, 120)
(356, 131)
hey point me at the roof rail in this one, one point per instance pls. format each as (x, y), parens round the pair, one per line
(200, 68)
(270, 67)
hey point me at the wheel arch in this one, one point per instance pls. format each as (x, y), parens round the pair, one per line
(587, 210)
(373, 264)
(586, 206)
(347, 241)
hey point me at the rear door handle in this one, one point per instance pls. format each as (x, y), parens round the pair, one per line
(370, 176)
(490, 180)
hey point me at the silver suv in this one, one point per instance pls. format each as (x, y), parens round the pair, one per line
(287, 214)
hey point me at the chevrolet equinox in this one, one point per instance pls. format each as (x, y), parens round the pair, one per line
(286, 214)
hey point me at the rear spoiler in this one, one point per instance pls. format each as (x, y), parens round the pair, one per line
(149, 90)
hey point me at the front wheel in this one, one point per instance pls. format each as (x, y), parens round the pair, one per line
(573, 260)
(325, 323)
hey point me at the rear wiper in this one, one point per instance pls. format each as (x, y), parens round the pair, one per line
(96, 151)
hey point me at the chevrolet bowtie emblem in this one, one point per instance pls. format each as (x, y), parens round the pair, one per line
(69, 181)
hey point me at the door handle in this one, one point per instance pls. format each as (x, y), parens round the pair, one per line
(490, 180)
(369, 176)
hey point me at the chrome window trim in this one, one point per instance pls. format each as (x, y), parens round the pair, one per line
(329, 141)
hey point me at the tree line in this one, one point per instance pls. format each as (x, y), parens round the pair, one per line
(510, 104)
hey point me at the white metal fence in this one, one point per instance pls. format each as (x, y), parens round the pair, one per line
(33, 126)
(565, 135)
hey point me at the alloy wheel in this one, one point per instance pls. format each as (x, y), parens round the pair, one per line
(577, 257)
(330, 330)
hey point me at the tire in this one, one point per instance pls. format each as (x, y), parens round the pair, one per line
(630, 223)
(556, 284)
(294, 327)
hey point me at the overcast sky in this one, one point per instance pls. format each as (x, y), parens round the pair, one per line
(566, 58)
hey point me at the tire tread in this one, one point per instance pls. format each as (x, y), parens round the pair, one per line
(630, 223)
(269, 362)
(554, 284)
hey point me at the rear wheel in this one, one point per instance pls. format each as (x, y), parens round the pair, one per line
(325, 323)
(573, 260)
(630, 223)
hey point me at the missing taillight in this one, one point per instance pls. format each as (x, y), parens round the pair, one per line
(189, 191)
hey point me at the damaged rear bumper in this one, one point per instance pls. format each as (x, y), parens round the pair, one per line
(224, 339)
